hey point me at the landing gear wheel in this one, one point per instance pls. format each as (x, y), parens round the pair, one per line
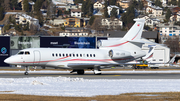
(80, 72)
(26, 73)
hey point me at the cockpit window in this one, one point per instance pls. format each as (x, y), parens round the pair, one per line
(27, 53)
(21, 53)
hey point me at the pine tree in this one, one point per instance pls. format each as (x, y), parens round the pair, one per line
(168, 14)
(91, 21)
(26, 5)
(112, 2)
(114, 13)
(1, 13)
(40, 18)
(105, 10)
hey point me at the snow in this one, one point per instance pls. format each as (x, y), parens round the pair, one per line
(79, 87)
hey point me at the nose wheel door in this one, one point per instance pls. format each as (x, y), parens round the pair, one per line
(36, 57)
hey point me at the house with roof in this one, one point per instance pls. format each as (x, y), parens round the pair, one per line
(175, 17)
(154, 10)
(98, 5)
(1, 29)
(110, 7)
(76, 13)
(169, 30)
(24, 19)
(150, 21)
(110, 23)
(71, 6)
(72, 32)
(73, 22)
(124, 3)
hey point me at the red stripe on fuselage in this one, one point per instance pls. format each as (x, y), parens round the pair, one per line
(118, 44)
(102, 60)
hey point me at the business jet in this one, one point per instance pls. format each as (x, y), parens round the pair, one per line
(112, 54)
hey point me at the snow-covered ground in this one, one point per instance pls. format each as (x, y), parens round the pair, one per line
(63, 86)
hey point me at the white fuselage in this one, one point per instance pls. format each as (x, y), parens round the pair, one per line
(61, 57)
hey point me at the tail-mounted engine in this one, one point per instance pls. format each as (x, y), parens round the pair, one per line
(117, 54)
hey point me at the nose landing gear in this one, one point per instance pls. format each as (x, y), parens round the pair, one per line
(26, 70)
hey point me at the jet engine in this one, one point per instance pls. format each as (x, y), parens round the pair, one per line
(118, 54)
(102, 43)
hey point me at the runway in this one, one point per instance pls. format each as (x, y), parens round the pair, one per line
(120, 74)
(92, 76)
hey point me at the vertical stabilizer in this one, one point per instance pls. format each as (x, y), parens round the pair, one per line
(135, 33)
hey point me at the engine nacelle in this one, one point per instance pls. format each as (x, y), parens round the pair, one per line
(118, 54)
(103, 43)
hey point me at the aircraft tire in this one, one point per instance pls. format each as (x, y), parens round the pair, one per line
(80, 72)
(26, 73)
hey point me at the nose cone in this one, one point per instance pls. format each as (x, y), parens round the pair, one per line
(7, 60)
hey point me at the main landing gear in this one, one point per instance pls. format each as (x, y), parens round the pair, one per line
(26, 70)
(79, 72)
(97, 71)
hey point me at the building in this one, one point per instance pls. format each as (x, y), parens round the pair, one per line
(24, 19)
(1, 29)
(71, 6)
(76, 13)
(124, 3)
(112, 23)
(154, 10)
(150, 35)
(175, 17)
(71, 31)
(110, 7)
(169, 30)
(57, 21)
(73, 22)
(98, 5)
(150, 21)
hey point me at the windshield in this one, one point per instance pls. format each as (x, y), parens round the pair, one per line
(21, 53)
(27, 53)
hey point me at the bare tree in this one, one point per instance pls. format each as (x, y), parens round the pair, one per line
(51, 10)
(173, 43)
(33, 28)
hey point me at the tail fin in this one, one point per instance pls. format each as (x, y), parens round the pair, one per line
(149, 56)
(172, 60)
(135, 33)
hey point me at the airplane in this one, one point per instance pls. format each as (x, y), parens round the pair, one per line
(122, 51)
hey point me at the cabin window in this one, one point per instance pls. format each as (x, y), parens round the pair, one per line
(52, 54)
(80, 55)
(56, 55)
(63, 55)
(66, 54)
(87, 55)
(73, 55)
(27, 53)
(94, 55)
(70, 55)
(90, 55)
(60, 55)
(21, 53)
(77, 55)
(160, 59)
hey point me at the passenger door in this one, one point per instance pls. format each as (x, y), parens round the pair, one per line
(36, 57)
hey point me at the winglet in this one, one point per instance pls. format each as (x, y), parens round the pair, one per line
(173, 59)
(149, 56)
